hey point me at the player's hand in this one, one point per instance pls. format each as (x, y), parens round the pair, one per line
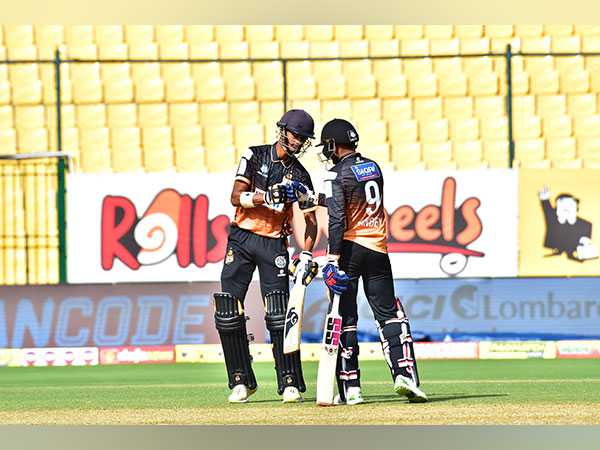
(335, 280)
(275, 194)
(295, 190)
(310, 268)
(545, 193)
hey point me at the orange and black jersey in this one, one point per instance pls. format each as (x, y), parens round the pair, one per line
(260, 168)
(354, 191)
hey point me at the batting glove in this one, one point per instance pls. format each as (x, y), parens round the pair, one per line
(310, 268)
(335, 280)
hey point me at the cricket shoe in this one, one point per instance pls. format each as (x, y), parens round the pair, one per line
(407, 387)
(353, 397)
(240, 394)
(291, 394)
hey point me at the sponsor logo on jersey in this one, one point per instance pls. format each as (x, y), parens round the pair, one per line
(280, 261)
(264, 170)
(366, 171)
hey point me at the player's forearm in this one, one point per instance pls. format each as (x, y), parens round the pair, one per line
(256, 198)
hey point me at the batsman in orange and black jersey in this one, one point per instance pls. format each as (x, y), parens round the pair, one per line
(358, 248)
(263, 197)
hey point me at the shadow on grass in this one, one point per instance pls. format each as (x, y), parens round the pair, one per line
(432, 397)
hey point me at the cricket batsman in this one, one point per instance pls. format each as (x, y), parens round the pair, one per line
(358, 247)
(263, 196)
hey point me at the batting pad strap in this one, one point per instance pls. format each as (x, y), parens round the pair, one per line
(349, 375)
(246, 200)
(276, 305)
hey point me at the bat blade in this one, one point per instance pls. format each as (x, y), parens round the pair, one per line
(328, 355)
(293, 317)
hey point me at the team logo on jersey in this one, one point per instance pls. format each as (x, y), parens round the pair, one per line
(264, 170)
(366, 171)
(280, 261)
(229, 257)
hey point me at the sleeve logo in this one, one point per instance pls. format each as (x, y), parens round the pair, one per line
(366, 171)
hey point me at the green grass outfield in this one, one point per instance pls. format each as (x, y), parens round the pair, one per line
(461, 392)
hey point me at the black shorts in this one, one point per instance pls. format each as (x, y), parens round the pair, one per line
(246, 251)
(376, 272)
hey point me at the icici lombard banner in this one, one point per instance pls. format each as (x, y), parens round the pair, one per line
(560, 216)
(173, 227)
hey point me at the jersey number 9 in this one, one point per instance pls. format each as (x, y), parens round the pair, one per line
(373, 196)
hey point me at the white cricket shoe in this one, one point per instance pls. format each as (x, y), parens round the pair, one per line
(291, 394)
(353, 397)
(240, 394)
(407, 387)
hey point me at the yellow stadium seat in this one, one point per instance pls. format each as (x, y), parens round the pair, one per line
(169, 34)
(520, 82)
(266, 49)
(581, 104)
(270, 112)
(8, 141)
(294, 49)
(357, 68)
(414, 47)
(397, 109)
(67, 115)
(118, 91)
(248, 134)
(187, 136)
(561, 148)
(108, 34)
(331, 87)
(489, 106)
(444, 47)
(379, 32)
(366, 109)
(590, 44)
(446, 66)
(423, 86)
(391, 87)
(387, 68)
(152, 115)
(496, 153)
(28, 117)
(210, 89)
(124, 137)
(557, 126)
(468, 154)
(526, 126)
(126, 159)
(549, 105)
(379, 152)
(195, 34)
(408, 31)
(156, 137)
(588, 147)
(587, 30)
(558, 30)
(437, 155)
(302, 88)
(232, 71)
(431, 131)
(324, 69)
(218, 136)
(535, 44)
(259, 33)
(143, 50)
(477, 65)
(569, 63)
(498, 31)
(18, 35)
(269, 88)
(144, 71)
(79, 35)
(267, 70)
(87, 91)
(174, 71)
(545, 83)
(5, 92)
(318, 32)
(182, 114)
(158, 159)
(372, 133)
(529, 31)
(407, 156)
(229, 33)
(468, 31)
(361, 86)
(216, 113)
(91, 116)
(180, 90)
(204, 50)
(575, 82)
(313, 107)
(49, 35)
(284, 33)
(24, 92)
(341, 109)
(240, 89)
(529, 151)
(354, 49)
(403, 131)
(452, 84)
(122, 115)
(95, 160)
(595, 82)
(438, 31)
(566, 44)
(139, 34)
(587, 126)
(116, 71)
(384, 48)
(524, 104)
(498, 45)
(220, 159)
(427, 108)
(348, 32)
(244, 112)
(94, 138)
(149, 90)
(6, 117)
(464, 129)
(494, 128)
(417, 67)
(458, 107)
(190, 159)
(474, 46)
(70, 140)
(233, 50)
(538, 64)
(205, 71)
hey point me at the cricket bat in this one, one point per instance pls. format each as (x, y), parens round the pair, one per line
(293, 317)
(328, 356)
